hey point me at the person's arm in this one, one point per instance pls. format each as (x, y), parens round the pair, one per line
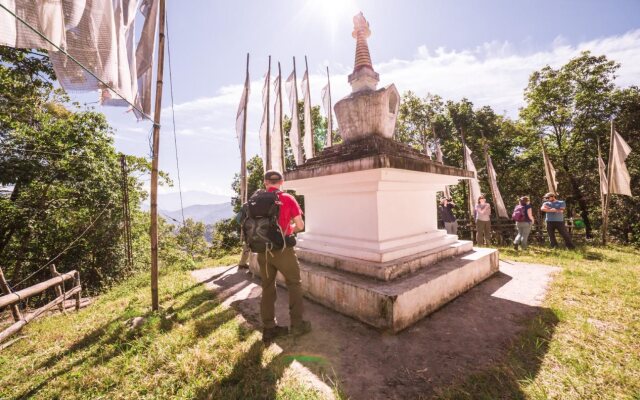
(545, 207)
(298, 223)
(530, 214)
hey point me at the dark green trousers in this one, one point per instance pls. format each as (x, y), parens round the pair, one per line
(285, 262)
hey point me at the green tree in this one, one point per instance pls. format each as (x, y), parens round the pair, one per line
(569, 108)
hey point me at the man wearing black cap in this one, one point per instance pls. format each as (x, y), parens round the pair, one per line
(284, 261)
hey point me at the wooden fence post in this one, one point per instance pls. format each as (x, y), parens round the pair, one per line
(76, 283)
(58, 289)
(17, 316)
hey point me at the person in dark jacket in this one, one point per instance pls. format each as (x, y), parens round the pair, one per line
(446, 213)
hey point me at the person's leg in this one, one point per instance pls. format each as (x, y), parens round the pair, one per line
(244, 258)
(487, 233)
(448, 227)
(479, 233)
(454, 228)
(518, 238)
(551, 231)
(287, 264)
(565, 236)
(268, 300)
(526, 230)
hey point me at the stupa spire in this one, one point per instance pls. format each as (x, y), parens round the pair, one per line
(363, 76)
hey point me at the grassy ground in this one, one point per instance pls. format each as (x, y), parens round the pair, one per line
(584, 345)
(193, 348)
(586, 342)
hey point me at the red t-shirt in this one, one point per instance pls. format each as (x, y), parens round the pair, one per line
(289, 209)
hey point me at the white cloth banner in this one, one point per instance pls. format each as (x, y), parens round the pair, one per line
(620, 181)
(602, 171)
(550, 172)
(308, 125)
(127, 85)
(474, 186)
(277, 161)
(326, 103)
(294, 131)
(493, 182)
(145, 56)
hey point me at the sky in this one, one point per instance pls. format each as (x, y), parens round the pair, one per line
(482, 50)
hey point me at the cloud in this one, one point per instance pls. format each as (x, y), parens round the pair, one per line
(493, 74)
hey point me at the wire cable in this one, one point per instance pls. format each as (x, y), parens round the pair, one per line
(37, 32)
(173, 117)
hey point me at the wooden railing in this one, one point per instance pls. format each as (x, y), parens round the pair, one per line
(13, 299)
(503, 232)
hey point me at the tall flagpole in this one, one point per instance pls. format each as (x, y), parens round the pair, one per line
(607, 200)
(297, 121)
(268, 160)
(284, 165)
(308, 106)
(154, 162)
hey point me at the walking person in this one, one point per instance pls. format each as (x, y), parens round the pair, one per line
(271, 217)
(446, 214)
(554, 217)
(482, 213)
(523, 216)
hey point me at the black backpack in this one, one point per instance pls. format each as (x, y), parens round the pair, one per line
(260, 222)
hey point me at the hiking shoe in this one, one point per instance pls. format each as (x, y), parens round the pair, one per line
(243, 266)
(515, 246)
(300, 329)
(268, 334)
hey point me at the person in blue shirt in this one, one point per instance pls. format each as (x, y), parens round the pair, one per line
(554, 217)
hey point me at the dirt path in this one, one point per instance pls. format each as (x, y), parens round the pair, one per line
(464, 336)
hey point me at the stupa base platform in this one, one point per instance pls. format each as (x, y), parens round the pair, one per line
(395, 304)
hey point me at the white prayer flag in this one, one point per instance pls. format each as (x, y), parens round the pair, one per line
(326, 103)
(620, 181)
(550, 172)
(264, 125)
(308, 126)
(242, 109)
(493, 182)
(474, 187)
(294, 132)
(276, 133)
(604, 182)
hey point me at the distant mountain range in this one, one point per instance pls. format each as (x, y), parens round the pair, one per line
(200, 206)
(207, 213)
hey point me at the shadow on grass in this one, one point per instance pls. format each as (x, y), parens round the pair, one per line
(115, 337)
(250, 378)
(480, 345)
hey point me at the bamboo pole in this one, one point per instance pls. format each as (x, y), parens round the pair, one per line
(15, 311)
(268, 163)
(313, 142)
(12, 329)
(284, 165)
(154, 162)
(20, 295)
(57, 288)
(295, 104)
